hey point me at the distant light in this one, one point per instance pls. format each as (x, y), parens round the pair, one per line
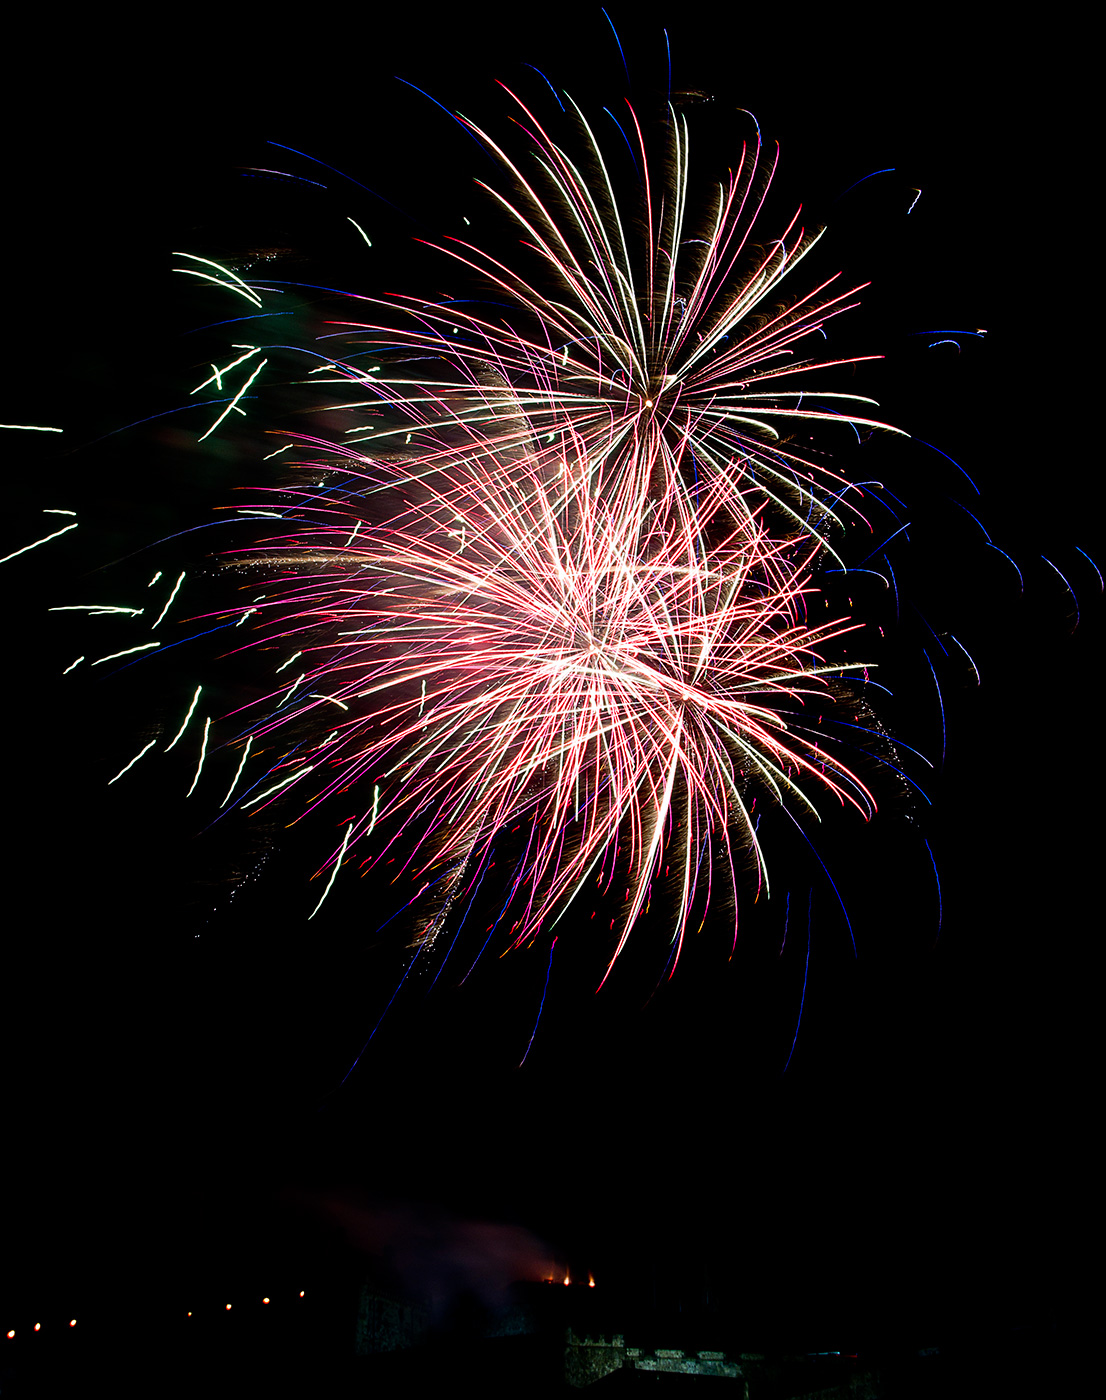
(567, 1280)
(189, 1314)
(228, 1307)
(264, 1300)
(301, 1292)
(38, 1326)
(72, 1322)
(591, 1280)
(12, 1332)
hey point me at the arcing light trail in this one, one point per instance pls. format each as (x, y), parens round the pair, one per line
(555, 575)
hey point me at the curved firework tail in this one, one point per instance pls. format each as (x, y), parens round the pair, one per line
(556, 573)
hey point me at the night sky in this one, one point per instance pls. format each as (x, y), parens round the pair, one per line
(176, 1035)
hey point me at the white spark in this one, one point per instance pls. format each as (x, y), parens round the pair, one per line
(133, 761)
(187, 717)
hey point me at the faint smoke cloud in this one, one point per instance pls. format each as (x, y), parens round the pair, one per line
(435, 1255)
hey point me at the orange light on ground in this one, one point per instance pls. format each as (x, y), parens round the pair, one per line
(591, 1280)
(567, 1280)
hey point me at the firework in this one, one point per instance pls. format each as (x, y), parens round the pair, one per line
(554, 577)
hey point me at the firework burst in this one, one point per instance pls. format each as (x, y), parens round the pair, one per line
(554, 577)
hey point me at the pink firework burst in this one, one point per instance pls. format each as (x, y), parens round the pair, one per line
(555, 574)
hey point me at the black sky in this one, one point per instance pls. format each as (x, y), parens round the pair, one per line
(173, 1076)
